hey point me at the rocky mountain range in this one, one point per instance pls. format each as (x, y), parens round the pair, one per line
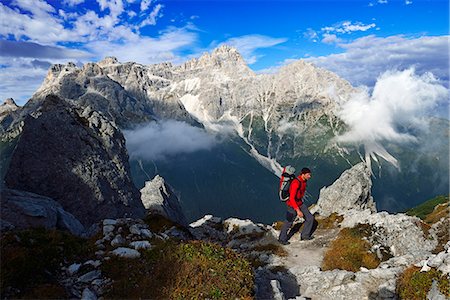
(289, 117)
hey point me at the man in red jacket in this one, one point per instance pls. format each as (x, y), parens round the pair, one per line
(296, 207)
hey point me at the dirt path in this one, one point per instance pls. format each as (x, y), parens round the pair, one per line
(308, 253)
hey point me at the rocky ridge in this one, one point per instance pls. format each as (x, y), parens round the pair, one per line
(281, 272)
(77, 157)
(277, 277)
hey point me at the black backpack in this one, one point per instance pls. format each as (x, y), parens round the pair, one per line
(287, 176)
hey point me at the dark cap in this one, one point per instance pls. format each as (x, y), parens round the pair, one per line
(305, 171)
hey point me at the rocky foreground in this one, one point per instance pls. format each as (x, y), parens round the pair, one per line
(294, 271)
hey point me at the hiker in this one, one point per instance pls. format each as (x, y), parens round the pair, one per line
(296, 207)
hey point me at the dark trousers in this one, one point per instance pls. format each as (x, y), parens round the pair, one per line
(308, 228)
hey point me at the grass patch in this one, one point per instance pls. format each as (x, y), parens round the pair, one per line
(350, 251)
(271, 248)
(330, 222)
(278, 225)
(31, 261)
(439, 212)
(413, 284)
(190, 270)
(427, 208)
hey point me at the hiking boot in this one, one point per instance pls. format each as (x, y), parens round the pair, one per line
(283, 242)
(306, 238)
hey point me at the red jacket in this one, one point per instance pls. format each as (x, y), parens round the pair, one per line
(296, 193)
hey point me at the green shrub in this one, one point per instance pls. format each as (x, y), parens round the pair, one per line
(413, 284)
(190, 270)
(425, 209)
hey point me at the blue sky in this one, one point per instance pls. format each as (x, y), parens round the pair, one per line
(358, 39)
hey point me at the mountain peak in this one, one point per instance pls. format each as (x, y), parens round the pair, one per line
(9, 102)
(224, 48)
(109, 60)
(223, 57)
(226, 52)
(8, 106)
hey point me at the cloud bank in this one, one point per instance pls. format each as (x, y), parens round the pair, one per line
(162, 140)
(366, 58)
(397, 106)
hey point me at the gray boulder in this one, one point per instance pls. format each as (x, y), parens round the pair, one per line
(76, 157)
(159, 198)
(352, 190)
(22, 210)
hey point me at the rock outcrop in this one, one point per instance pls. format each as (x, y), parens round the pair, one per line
(9, 110)
(77, 157)
(23, 210)
(8, 106)
(351, 191)
(158, 197)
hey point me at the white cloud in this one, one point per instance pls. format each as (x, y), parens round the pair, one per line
(151, 19)
(383, 1)
(162, 140)
(311, 34)
(399, 100)
(145, 4)
(347, 27)
(36, 7)
(40, 26)
(248, 44)
(408, 2)
(21, 77)
(330, 39)
(115, 7)
(367, 58)
(72, 2)
(146, 50)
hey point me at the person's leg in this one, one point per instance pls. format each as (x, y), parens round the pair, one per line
(290, 217)
(309, 226)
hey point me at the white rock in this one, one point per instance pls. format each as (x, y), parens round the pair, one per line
(134, 229)
(425, 268)
(434, 293)
(73, 268)
(141, 245)
(362, 269)
(94, 263)
(88, 295)
(89, 277)
(276, 288)
(351, 191)
(107, 230)
(145, 233)
(118, 240)
(447, 247)
(436, 260)
(109, 222)
(126, 252)
(241, 227)
(206, 218)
